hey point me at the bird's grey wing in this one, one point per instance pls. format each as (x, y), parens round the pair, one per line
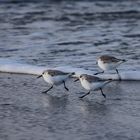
(93, 79)
(108, 59)
(113, 59)
(57, 72)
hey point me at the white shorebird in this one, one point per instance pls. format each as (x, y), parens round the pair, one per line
(106, 62)
(92, 83)
(55, 77)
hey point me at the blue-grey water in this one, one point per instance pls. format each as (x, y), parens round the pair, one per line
(75, 33)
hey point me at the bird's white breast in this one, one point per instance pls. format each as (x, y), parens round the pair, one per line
(55, 80)
(93, 85)
(107, 66)
(85, 84)
(48, 79)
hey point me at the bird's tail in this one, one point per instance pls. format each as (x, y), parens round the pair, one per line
(123, 60)
(71, 74)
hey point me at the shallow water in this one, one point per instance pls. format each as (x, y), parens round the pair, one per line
(26, 113)
(69, 33)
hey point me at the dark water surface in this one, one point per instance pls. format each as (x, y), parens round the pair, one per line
(27, 114)
(69, 33)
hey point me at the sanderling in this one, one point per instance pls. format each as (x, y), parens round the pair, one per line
(55, 77)
(106, 62)
(90, 82)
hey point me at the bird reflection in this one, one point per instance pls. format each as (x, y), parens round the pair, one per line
(55, 102)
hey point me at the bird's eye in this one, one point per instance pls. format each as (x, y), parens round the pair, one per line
(51, 74)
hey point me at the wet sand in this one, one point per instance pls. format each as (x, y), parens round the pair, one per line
(27, 114)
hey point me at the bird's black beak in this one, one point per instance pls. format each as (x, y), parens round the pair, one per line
(76, 80)
(39, 76)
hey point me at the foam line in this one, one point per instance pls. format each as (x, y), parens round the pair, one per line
(22, 68)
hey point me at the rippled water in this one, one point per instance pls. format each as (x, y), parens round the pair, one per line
(69, 33)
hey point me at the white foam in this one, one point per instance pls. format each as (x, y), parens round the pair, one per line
(10, 66)
(16, 67)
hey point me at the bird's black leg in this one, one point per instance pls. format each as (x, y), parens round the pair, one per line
(65, 86)
(99, 73)
(48, 89)
(118, 75)
(84, 95)
(102, 93)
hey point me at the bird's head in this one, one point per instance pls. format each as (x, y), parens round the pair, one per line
(82, 76)
(44, 73)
